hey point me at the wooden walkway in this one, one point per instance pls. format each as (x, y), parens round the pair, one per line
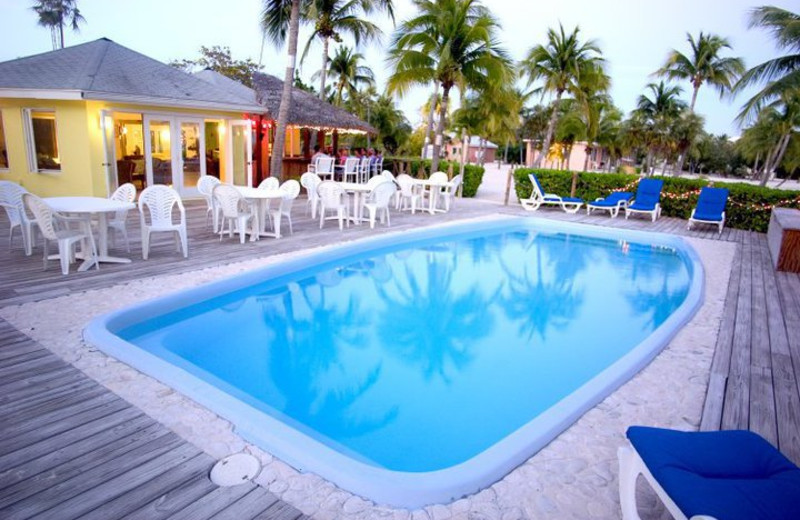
(68, 448)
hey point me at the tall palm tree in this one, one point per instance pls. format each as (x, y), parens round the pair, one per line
(347, 73)
(55, 14)
(781, 74)
(658, 114)
(703, 65)
(279, 17)
(450, 43)
(559, 64)
(333, 18)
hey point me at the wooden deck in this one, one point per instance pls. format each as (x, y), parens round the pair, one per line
(69, 448)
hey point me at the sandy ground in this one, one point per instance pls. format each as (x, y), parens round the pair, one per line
(575, 476)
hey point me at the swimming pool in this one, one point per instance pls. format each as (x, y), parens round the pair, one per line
(423, 366)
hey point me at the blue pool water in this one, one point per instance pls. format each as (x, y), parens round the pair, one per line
(414, 356)
(418, 359)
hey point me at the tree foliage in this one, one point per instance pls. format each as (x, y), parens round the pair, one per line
(218, 58)
(55, 15)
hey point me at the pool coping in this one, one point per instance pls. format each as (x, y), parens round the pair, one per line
(401, 489)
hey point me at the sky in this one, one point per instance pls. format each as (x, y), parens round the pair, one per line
(634, 35)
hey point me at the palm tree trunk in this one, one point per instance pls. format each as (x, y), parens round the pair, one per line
(482, 151)
(431, 112)
(586, 153)
(694, 98)
(551, 127)
(437, 143)
(758, 159)
(61, 33)
(780, 150)
(276, 164)
(324, 71)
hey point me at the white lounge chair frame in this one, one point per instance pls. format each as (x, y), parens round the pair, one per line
(654, 213)
(537, 199)
(614, 210)
(631, 466)
(719, 223)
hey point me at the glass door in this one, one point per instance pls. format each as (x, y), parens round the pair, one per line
(158, 150)
(110, 159)
(192, 156)
(240, 145)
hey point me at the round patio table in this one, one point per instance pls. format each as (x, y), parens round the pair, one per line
(90, 206)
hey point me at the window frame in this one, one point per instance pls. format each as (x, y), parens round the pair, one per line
(30, 139)
(7, 167)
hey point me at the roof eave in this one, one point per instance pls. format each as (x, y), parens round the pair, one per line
(35, 93)
(172, 102)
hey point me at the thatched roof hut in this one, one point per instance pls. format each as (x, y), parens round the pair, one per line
(306, 109)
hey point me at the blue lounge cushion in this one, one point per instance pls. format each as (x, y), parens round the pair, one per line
(708, 217)
(730, 475)
(712, 201)
(648, 193)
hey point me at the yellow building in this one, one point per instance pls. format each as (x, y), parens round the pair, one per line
(84, 119)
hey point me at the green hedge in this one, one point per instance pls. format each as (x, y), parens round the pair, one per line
(748, 208)
(473, 174)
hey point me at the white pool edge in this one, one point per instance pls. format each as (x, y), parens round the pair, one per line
(408, 490)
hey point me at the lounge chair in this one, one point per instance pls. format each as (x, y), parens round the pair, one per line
(725, 475)
(710, 208)
(539, 197)
(647, 199)
(613, 203)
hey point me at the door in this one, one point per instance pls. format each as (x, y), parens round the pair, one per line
(192, 157)
(240, 159)
(174, 152)
(109, 157)
(158, 157)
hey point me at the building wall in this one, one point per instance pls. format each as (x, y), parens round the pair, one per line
(80, 142)
(576, 158)
(453, 153)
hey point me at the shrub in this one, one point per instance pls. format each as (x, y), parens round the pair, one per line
(473, 174)
(749, 206)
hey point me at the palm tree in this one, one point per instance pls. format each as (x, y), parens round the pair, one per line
(781, 74)
(774, 130)
(450, 43)
(333, 18)
(55, 14)
(704, 65)
(277, 18)
(658, 114)
(559, 65)
(347, 73)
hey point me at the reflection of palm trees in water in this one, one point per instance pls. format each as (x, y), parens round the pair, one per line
(431, 323)
(657, 301)
(536, 301)
(307, 350)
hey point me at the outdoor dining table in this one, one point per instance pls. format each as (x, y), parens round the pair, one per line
(434, 189)
(260, 199)
(359, 191)
(91, 206)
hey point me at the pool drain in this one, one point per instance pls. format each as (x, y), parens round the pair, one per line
(235, 469)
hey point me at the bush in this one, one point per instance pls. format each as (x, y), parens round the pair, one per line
(473, 174)
(749, 206)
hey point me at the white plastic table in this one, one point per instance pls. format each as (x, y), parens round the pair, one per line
(93, 206)
(261, 197)
(358, 190)
(434, 189)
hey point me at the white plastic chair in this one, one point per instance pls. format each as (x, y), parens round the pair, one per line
(50, 226)
(332, 198)
(125, 193)
(379, 201)
(270, 183)
(407, 198)
(205, 185)
(290, 189)
(310, 181)
(448, 194)
(11, 200)
(325, 167)
(350, 169)
(363, 169)
(234, 211)
(159, 201)
(377, 166)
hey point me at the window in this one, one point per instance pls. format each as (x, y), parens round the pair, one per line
(3, 152)
(42, 141)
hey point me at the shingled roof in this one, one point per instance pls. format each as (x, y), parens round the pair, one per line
(105, 70)
(306, 109)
